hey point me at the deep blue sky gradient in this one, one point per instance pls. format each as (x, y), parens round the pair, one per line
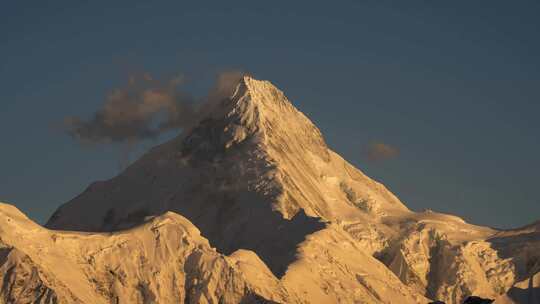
(455, 86)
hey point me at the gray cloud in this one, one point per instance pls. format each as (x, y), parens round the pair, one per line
(145, 107)
(378, 151)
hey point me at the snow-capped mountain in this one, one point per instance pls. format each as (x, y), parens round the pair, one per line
(282, 218)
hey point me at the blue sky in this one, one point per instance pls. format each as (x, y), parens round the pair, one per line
(453, 86)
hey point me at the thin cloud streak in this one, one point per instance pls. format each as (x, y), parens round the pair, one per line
(145, 108)
(378, 151)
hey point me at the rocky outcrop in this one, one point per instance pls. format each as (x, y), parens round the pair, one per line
(477, 300)
(23, 281)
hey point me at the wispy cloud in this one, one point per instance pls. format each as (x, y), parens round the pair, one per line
(378, 151)
(144, 108)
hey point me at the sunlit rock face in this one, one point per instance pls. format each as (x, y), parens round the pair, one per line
(251, 206)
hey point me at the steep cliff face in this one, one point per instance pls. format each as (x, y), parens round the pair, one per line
(23, 281)
(291, 222)
(443, 267)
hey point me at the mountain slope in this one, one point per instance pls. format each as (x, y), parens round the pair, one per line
(255, 174)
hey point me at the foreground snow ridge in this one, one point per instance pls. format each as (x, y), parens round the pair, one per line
(251, 206)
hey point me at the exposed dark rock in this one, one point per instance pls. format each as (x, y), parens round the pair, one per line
(477, 300)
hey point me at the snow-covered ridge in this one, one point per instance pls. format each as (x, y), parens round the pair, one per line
(164, 260)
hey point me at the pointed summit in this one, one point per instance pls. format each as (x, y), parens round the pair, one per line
(260, 114)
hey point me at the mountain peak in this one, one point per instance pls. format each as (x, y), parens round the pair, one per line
(252, 144)
(253, 169)
(255, 112)
(248, 97)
